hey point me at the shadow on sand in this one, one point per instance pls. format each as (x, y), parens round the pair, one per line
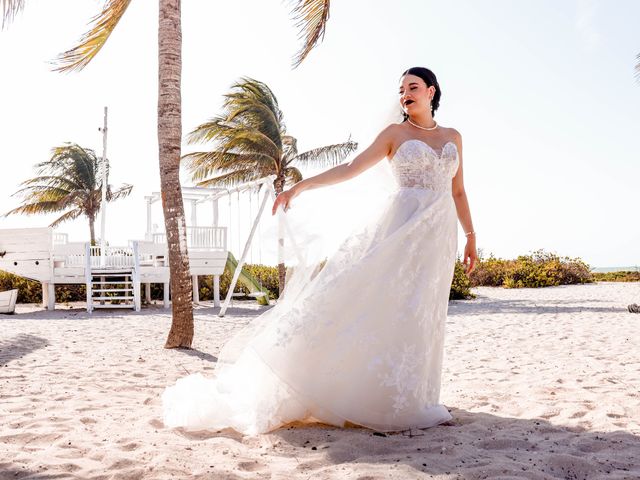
(19, 346)
(471, 446)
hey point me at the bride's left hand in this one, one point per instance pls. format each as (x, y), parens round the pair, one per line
(470, 256)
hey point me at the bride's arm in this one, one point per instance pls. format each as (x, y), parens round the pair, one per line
(462, 209)
(375, 152)
(380, 148)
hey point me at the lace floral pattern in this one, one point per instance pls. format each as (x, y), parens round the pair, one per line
(363, 339)
(417, 164)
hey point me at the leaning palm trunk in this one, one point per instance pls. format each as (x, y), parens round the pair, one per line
(278, 185)
(169, 140)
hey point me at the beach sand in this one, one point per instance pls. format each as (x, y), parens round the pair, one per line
(542, 384)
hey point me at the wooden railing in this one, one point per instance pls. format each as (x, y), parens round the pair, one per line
(200, 237)
(114, 257)
(60, 238)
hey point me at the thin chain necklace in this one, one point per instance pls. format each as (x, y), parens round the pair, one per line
(423, 128)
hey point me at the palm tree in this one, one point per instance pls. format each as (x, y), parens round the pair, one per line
(311, 17)
(70, 182)
(251, 142)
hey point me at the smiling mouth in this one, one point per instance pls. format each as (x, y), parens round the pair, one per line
(408, 102)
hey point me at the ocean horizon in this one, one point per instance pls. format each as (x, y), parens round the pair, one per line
(634, 268)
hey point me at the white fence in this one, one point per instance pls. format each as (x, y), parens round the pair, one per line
(200, 237)
(114, 257)
(60, 238)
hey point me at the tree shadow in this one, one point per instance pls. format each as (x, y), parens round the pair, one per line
(192, 352)
(206, 311)
(19, 346)
(476, 445)
(10, 471)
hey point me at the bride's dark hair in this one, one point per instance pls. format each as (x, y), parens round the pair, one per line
(430, 79)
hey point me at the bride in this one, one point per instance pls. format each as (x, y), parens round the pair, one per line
(360, 339)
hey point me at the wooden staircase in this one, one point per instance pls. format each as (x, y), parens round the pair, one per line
(113, 286)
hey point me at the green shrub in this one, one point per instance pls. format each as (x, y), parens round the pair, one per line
(539, 269)
(625, 276)
(461, 284)
(30, 291)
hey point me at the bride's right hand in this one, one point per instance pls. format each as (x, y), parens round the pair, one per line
(284, 199)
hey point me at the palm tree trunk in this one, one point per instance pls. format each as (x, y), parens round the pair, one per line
(169, 140)
(278, 186)
(92, 229)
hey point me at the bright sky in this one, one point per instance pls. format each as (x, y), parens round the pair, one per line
(543, 93)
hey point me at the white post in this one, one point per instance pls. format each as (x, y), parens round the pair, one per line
(243, 257)
(215, 212)
(135, 278)
(216, 290)
(165, 297)
(51, 297)
(88, 276)
(103, 205)
(149, 235)
(194, 213)
(196, 289)
(45, 295)
(147, 292)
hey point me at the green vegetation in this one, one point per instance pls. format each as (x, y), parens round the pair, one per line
(539, 269)
(627, 276)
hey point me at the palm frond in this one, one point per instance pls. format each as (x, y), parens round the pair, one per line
(231, 179)
(257, 116)
(311, 18)
(213, 129)
(35, 208)
(219, 130)
(92, 41)
(290, 146)
(204, 164)
(292, 175)
(10, 8)
(122, 192)
(329, 155)
(47, 183)
(254, 104)
(70, 215)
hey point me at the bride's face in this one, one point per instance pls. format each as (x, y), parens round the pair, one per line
(415, 95)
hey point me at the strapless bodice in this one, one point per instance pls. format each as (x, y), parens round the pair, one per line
(417, 165)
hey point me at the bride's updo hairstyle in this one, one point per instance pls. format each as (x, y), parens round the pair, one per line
(430, 79)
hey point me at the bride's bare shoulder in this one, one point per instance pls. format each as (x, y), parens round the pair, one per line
(392, 131)
(453, 133)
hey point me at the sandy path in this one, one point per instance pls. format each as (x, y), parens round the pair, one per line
(542, 383)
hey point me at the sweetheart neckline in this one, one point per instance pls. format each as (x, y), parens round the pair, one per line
(425, 143)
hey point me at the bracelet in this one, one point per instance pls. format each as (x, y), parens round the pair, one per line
(472, 232)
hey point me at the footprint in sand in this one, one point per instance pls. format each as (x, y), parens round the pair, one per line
(129, 446)
(550, 414)
(155, 423)
(250, 466)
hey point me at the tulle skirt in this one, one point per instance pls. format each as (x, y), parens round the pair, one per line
(359, 339)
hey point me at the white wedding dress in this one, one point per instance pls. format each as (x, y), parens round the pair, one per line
(363, 340)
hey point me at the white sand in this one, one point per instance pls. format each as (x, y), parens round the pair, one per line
(542, 383)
